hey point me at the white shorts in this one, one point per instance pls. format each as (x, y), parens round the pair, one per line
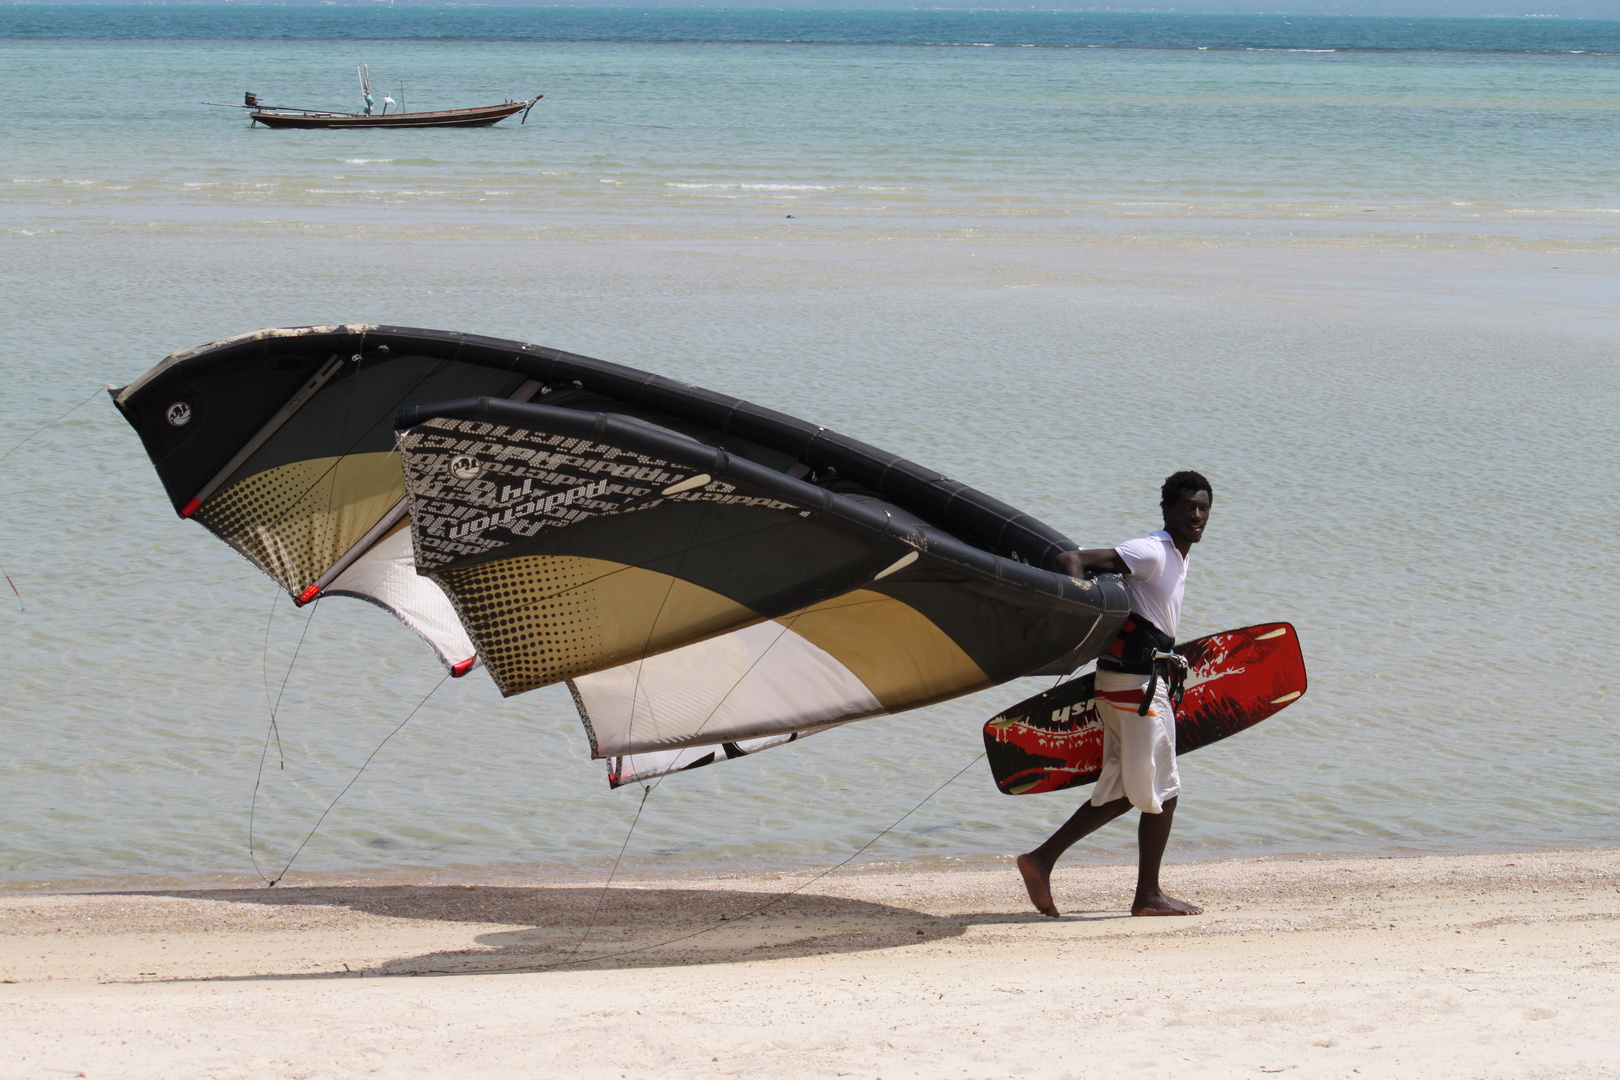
(1139, 752)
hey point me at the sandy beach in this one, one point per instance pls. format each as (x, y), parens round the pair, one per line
(1358, 271)
(1467, 966)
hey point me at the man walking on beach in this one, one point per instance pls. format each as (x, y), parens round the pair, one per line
(1139, 737)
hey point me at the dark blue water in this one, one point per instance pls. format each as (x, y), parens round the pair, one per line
(1053, 29)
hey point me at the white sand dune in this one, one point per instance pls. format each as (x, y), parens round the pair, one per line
(1461, 966)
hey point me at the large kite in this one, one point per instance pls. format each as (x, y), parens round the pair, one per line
(709, 577)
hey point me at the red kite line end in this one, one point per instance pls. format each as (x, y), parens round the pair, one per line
(307, 595)
(190, 508)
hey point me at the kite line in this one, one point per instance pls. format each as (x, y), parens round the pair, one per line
(274, 729)
(635, 689)
(590, 924)
(93, 395)
(264, 663)
(647, 790)
(18, 446)
(569, 961)
(336, 798)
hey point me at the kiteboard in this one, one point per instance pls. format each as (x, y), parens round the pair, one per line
(1234, 680)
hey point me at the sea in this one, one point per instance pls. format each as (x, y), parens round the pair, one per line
(1361, 272)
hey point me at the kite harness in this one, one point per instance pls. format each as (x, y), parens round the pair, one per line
(1143, 649)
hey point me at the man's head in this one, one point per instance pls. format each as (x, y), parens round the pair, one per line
(1186, 498)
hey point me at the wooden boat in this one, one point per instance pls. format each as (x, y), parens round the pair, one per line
(475, 116)
(277, 116)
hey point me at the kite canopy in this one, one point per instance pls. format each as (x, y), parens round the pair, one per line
(709, 577)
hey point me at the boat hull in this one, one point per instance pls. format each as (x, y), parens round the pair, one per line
(479, 116)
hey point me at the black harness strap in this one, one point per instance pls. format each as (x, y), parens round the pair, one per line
(1143, 649)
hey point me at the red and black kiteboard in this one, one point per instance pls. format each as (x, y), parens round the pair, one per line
(1234, 680)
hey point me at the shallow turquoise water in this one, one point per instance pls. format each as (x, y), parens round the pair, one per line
(1368, 292)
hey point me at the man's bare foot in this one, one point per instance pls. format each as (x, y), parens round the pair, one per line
(1162, 904)
(1038, 881)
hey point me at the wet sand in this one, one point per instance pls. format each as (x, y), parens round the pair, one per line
(1465, 966)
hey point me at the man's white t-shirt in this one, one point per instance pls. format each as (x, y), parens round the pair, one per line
(1158, 578)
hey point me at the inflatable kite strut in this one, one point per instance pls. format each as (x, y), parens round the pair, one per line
(710, 578)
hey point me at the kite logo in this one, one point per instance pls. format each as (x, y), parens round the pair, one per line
(179, 414)
(465, 467)
(544, 507)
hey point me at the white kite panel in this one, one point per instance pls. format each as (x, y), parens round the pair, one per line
(763, 684)
(386, 576)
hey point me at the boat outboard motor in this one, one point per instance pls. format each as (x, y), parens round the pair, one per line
(250, 100)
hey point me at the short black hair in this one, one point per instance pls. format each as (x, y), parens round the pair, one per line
(1185, 482)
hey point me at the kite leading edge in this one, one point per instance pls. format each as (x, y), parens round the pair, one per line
(709, 577)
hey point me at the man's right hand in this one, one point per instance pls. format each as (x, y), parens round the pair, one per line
(1091, 561)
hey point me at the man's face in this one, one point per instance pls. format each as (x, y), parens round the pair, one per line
(1187, 518)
